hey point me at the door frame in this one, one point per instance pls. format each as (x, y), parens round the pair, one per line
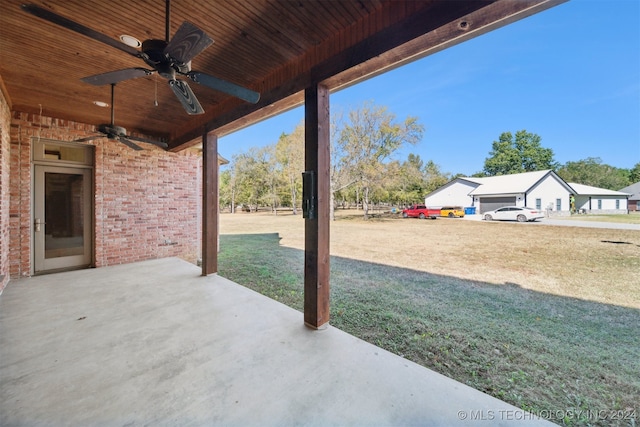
(43, 161)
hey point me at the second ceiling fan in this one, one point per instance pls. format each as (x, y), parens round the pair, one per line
(170, 58)
(118, 133)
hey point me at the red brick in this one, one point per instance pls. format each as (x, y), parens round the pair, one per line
(137, 206)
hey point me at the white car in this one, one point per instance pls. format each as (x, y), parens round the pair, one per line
(514, 213)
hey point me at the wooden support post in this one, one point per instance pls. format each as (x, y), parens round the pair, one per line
(209, 204)
(316, 229)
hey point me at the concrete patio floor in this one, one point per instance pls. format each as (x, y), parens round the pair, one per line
(155, 343)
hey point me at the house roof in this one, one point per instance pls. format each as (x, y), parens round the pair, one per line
(587, 190)
(510, 184)
(276, 48)
(521, 183)
(473, 180)
(633, 190)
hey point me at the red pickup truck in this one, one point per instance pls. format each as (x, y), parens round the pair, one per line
(420, 211)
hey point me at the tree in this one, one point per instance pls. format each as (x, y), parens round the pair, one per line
(434, 178)
(227, 188)
(271, 177)
(413, 179)
(412, 175)
(369, 137)
(340, 169)
(253, 171)
(290, 157)
(405, 181)
(634, 174)
(591, 171)
(522, 153)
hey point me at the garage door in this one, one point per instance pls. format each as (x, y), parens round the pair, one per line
(491, 203)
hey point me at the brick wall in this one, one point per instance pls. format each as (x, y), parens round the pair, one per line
(147, 203)
(5, 119)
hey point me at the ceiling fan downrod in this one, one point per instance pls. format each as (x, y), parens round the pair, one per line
(167, 21)
(113, 105)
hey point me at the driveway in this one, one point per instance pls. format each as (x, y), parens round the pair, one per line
(573, 223)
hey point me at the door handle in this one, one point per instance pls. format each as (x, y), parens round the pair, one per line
(37, 223)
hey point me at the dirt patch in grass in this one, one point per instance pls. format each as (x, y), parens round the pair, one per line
(546, 318)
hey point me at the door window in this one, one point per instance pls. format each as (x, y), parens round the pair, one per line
(64, 214)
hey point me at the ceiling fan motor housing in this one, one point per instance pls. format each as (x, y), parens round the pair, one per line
(112, 131)
(153, 53)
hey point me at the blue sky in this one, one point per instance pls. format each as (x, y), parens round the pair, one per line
(570, 74)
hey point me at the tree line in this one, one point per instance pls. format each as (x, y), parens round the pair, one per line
(523, 152)
(364, 172)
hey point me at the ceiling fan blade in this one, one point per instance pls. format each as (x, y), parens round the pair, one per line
(224, 86)
(188, 42)
(129, 144)
(89, 138)
(113, 77)
(148, 141)
(47, 15)
(186, 97)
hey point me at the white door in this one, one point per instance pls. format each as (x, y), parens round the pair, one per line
(62, 225)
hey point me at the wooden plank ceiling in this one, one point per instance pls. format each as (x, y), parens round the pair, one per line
(274, 47)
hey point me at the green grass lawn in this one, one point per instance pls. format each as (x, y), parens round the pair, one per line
(538, 351)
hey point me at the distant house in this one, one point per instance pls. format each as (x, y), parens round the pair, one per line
(633, 202)
(455, 193)
(599, 200)
(543, 190)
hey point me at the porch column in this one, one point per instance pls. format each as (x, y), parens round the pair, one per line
(209, 204)
(316, 228)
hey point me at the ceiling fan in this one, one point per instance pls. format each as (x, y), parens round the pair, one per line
(119, 133)
(170, 58)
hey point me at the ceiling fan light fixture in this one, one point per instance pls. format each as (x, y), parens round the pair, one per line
(101, 104)
(130, 41)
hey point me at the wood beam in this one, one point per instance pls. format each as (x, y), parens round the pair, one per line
(316, 225)
(209, 204)
(481, 21)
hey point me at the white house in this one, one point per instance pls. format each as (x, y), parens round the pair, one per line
(455, 193)
(543, 190)
(599, 200)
